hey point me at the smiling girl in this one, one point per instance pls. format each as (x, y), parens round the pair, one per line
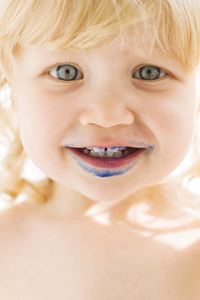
(105, 101)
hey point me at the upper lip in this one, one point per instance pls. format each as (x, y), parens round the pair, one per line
(133, 144)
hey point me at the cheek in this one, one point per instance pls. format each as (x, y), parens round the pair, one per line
(43, 116)
(175, 126)
(171, 118)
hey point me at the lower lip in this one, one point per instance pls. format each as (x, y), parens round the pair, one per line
(109, 163)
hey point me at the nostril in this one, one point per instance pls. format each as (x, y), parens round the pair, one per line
(108, 118)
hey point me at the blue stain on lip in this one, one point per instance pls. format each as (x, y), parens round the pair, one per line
(101, 172)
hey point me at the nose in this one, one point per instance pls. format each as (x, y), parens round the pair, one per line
(106, 111)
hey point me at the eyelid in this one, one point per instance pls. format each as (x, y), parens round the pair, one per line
(168, 73)
(62, 64)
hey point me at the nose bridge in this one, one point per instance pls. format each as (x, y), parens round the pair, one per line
(106, 104)
(106, 73)
(109, 95)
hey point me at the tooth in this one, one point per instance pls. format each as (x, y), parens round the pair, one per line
(99, 150)
(119, 154)
(113, 149)
(110, 150)
(110, 153)
(93, 153)
(114, 154)
(117, 148)
(107, 152)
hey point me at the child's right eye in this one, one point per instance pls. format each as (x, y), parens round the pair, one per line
(65, 72)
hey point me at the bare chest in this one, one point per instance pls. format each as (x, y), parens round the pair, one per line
(92, 264)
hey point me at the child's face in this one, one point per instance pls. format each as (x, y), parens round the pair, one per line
(106, 102)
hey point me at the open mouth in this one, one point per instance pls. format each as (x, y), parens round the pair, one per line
(108, 153)
(108, 159)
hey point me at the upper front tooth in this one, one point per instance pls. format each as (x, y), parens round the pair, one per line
(101, 150)
(111, 149)
(115, 149)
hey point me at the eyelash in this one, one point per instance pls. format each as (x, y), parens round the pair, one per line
(140, 72)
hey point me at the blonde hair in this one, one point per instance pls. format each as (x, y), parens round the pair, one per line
(173, 25)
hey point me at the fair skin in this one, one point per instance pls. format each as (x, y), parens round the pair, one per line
(78, 259)
(107, 104)
(66, 256)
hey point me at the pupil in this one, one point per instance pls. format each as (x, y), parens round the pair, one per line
(149, 73)
(66, 72)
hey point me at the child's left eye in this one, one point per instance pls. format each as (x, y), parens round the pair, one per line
(65, 72)
(149, 72)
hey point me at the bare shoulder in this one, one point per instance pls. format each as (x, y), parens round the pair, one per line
(16, 223)
(10, 226)
(12, 220)
(9, 218)
(14, 215)
(25, 223)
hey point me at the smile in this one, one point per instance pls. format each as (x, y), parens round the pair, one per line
(106, 165)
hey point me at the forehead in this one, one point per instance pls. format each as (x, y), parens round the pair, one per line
(133, 41)
(137, 40)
